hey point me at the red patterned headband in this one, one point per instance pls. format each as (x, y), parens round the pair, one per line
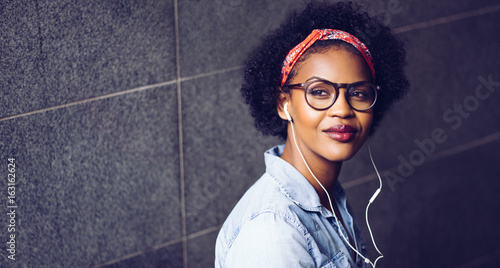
(323, 34)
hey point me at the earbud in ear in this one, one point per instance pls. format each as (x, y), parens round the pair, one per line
(286, 112)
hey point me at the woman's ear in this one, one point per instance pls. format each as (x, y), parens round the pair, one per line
(282, 99)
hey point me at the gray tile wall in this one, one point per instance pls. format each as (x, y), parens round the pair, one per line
(95, 94)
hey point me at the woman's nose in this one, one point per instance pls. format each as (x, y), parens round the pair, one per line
(341, 107)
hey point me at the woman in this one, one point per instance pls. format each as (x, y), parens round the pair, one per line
(322, 82)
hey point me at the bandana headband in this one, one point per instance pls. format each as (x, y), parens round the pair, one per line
(323, 34)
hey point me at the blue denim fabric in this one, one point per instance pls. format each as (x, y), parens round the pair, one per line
(280, 222)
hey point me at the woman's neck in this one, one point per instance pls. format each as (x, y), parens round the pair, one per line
(327, 172)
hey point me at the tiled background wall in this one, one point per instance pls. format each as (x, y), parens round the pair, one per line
(131, 144)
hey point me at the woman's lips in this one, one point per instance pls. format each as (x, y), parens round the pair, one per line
(341, 132)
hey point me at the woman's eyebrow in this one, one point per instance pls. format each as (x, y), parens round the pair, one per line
(316, 78)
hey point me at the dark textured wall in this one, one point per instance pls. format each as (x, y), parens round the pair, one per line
(131, 144)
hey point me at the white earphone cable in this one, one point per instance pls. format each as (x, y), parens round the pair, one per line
(371, 201)
(329, 200)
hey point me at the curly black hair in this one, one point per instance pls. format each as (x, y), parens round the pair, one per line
(262, 70)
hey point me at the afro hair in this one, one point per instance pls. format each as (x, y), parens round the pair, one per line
(262, 69)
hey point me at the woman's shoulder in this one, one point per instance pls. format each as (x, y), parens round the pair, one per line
(263, 218)
(264, 197)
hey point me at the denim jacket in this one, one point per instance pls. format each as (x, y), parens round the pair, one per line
(280, 222)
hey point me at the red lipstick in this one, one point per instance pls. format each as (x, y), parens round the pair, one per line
(341, 132)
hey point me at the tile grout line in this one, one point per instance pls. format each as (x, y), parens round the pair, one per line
(159, 246)
(107, 96)
(196, 76)
(181, 141)
(479, 262)
(204, 232)
(447, 19)
(401, 29)
(138, 253)
(446, 153)
(124, 92)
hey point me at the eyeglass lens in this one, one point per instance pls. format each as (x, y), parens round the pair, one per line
(321, 95)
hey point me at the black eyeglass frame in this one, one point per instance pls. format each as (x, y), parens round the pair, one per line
(346, 86)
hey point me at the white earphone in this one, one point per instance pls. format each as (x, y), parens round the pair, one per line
(285, 108)
(287, 113)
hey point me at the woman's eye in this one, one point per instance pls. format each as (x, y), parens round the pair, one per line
(319, 92)
(359, 94)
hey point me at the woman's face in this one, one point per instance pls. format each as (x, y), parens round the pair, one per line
(337, 133)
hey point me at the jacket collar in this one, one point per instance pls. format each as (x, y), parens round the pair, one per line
(294, 185)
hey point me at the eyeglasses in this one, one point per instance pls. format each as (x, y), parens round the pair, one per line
(321, 94)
